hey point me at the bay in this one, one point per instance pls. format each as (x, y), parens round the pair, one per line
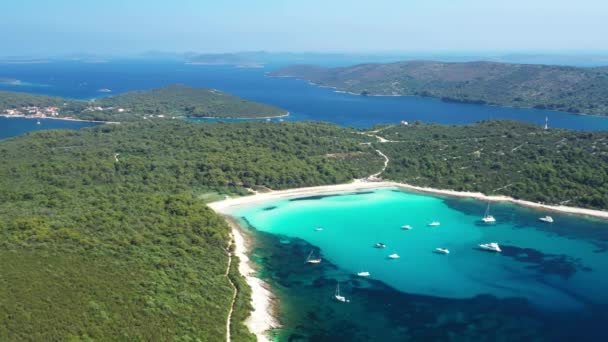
(549, 276)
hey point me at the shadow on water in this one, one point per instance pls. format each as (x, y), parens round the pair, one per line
(377, 312)
(319, 197)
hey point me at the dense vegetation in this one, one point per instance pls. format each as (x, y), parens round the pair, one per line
(99, 246)
(170, 101)
(179, 100)
(502, 158)
(14, 100)
(564, 88)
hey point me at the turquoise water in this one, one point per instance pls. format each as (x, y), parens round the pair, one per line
(549, 274)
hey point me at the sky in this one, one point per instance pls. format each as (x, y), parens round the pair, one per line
(52, 27)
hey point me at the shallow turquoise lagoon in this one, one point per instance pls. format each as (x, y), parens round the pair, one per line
(559, 268)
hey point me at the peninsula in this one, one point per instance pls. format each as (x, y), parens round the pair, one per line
(162, 103)
(562, 88)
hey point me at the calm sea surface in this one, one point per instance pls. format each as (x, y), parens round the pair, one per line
(304, 101)
(10, 127)
(549, 283)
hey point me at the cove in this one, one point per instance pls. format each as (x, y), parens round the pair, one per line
(548, 274)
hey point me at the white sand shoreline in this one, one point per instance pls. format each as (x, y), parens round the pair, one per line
(263, 317)
(224, 206)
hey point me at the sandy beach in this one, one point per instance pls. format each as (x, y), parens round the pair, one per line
(263, 317)
(225, 205)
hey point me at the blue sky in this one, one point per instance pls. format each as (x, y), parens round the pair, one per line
(131, 26)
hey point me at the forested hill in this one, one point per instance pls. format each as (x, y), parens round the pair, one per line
(502, 158)
(104, 232)
(564, 88)
(180, 100)
(166, 102)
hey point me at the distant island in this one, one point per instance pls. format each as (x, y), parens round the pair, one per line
(167, 102)
(562, 88)
(10, 81)
(223, 59)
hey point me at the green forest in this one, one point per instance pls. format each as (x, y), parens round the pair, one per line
(563, 88)
(105, 235)
(502, 158)
(181, 100)
(168, 102)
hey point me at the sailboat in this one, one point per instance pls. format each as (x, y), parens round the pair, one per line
(434, 224)
(363, 274)
(38, 122)
(311, 260)
(338, 296)
(487, 218)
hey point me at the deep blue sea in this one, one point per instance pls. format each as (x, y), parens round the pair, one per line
(304, 101)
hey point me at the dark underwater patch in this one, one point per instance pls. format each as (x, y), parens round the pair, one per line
(318, 197)
(377, 312)
(561, 265)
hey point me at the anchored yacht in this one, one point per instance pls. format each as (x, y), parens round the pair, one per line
(491, 247)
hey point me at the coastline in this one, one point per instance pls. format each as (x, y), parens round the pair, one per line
(224, 205)
(344, 91)
(236, 118)
(54, 118)
(263, 318)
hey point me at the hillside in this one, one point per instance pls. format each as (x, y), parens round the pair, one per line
(502, 158)
(104, 232)
(570, 89)
(170, 101)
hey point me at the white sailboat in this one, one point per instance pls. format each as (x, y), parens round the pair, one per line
(434, 224)
(442, 251)
(490, 247)
(363, 274)
(318, 229)
(338, 296)
(406, 227)
(394, 256)
(546, 219)
(487, 218)
(311, 260)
